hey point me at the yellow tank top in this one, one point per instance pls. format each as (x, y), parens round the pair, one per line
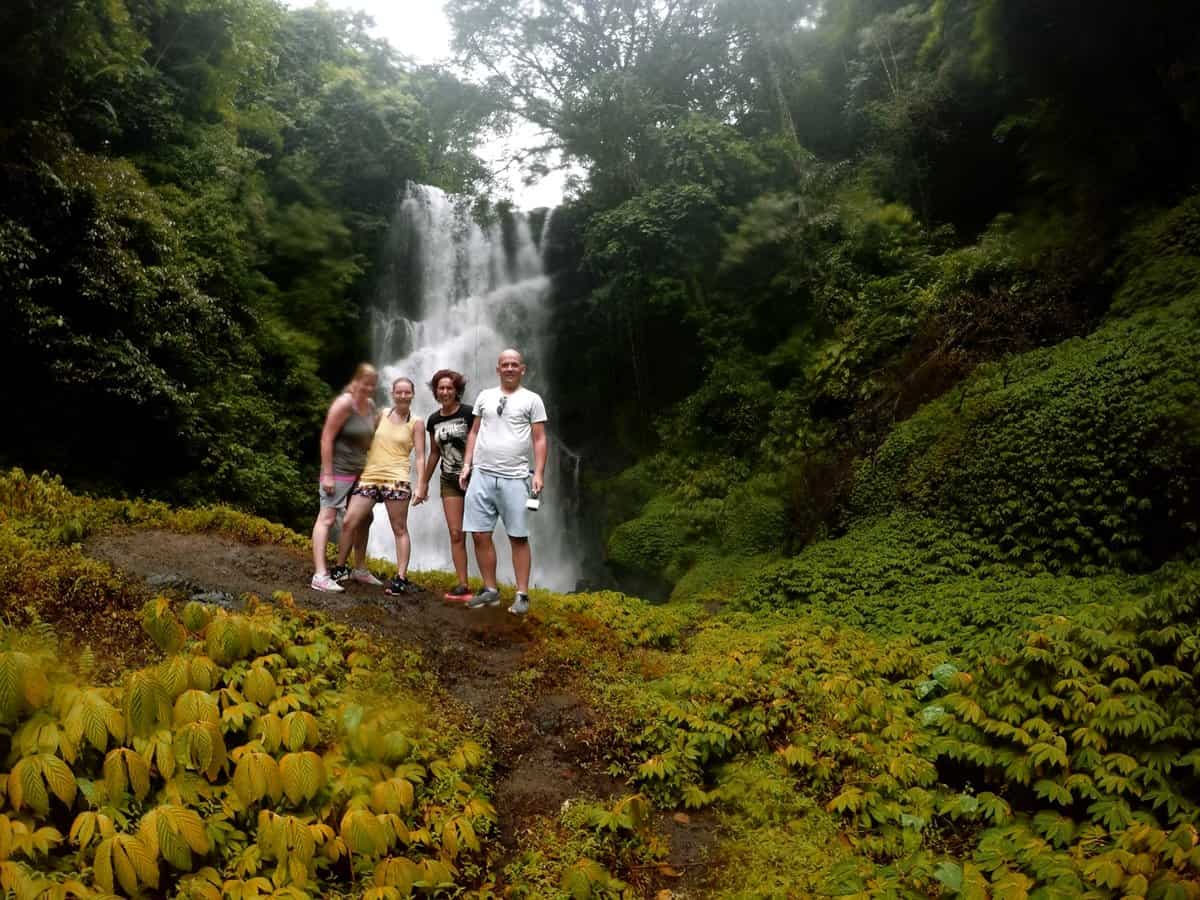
(388, 458)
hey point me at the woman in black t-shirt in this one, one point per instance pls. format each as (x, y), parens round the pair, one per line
(448, 429)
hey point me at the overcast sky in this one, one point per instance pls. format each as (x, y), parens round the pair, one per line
(418, 29)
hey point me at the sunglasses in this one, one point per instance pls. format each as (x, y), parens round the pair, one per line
(503, 403)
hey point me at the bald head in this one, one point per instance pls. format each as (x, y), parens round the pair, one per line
(511, 369)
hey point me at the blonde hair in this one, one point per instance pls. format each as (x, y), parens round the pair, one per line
(364, 370)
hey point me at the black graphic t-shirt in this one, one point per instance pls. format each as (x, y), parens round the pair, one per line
(450, 433)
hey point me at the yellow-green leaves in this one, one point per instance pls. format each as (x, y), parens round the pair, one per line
(200, 747)
(300, 729)
(34, 778)
(196, 706)
(291, 843)
(587, 878)
(259, 686)
(396, 872)
(174, 833)
(395, 795)
(90, 825)
(196, 616)
(204, 673)
(364, 833)
(126, 770)
(23, 685)
(257, 777)
(18, 837)
(147, 703)
(228, 638)
(303, 775)
(125, 861)
(458, 834)
(161, 624)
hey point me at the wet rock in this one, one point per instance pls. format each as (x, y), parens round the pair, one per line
(170, 581)
(220, 598)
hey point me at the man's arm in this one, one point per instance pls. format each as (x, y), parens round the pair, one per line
(540, 448)
(469, 455)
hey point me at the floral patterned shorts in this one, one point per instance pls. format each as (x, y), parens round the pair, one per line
(380, 493)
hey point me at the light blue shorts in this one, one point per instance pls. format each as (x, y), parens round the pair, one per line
(489, 496)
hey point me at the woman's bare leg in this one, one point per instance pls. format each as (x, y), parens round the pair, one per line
(397, 511)
(320, 537)
(355, 528)
(453, 508)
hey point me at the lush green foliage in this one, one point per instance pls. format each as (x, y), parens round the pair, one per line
(905, 575)
(1062, 764)
(195, 195)
(1083, 456)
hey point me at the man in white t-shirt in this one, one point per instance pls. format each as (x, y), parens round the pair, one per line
(498, 479)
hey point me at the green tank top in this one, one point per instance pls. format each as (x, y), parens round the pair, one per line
(352, 443)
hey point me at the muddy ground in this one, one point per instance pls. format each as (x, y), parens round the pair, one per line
(541, 743)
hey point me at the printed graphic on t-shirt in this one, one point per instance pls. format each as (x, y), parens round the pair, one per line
(452, 441)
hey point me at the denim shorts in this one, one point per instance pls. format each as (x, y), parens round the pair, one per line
(489, 496)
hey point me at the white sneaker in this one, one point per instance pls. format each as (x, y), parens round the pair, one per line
(520, 605)
(362, 576)
(325, 583)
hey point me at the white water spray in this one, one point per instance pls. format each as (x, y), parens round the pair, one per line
(453, 297)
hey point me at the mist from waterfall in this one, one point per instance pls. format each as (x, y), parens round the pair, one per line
(453, 294)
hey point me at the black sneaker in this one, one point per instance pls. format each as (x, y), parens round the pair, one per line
(339, 573)
(398, 587)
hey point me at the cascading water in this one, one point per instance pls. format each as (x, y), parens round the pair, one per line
(453, 295)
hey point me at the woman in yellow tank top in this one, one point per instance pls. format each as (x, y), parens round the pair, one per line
(387, 479)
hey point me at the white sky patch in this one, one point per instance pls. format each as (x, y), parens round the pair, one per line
(419, 29)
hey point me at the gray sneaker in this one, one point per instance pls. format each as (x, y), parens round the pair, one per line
(520, 605)
(486, 597)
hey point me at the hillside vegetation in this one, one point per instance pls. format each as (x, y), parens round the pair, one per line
(877, 322)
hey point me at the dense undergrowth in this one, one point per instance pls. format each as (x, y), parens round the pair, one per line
(972, 652)
(1060, 761)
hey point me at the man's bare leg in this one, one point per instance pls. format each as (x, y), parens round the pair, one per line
(522, 560)
(485, 556)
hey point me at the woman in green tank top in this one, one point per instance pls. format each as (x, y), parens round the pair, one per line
(345, 440)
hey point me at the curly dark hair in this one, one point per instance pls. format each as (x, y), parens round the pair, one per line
(456, 378)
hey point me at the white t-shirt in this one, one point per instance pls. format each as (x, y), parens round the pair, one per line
(505, 434)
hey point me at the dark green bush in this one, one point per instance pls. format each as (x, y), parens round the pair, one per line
(659, 543)
(753, 517)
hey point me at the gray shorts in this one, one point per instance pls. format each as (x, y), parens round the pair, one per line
(489, 496)
(340, 495)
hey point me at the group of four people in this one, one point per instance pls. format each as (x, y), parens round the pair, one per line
(486, 474)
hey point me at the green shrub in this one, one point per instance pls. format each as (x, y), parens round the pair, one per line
(1082, 456)
(753, 517)
(1162, 260)
(656, 543)
(905, 575)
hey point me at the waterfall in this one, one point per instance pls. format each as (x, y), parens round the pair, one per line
(453, 294)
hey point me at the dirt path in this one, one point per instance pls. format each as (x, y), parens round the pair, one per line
(538, 738)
